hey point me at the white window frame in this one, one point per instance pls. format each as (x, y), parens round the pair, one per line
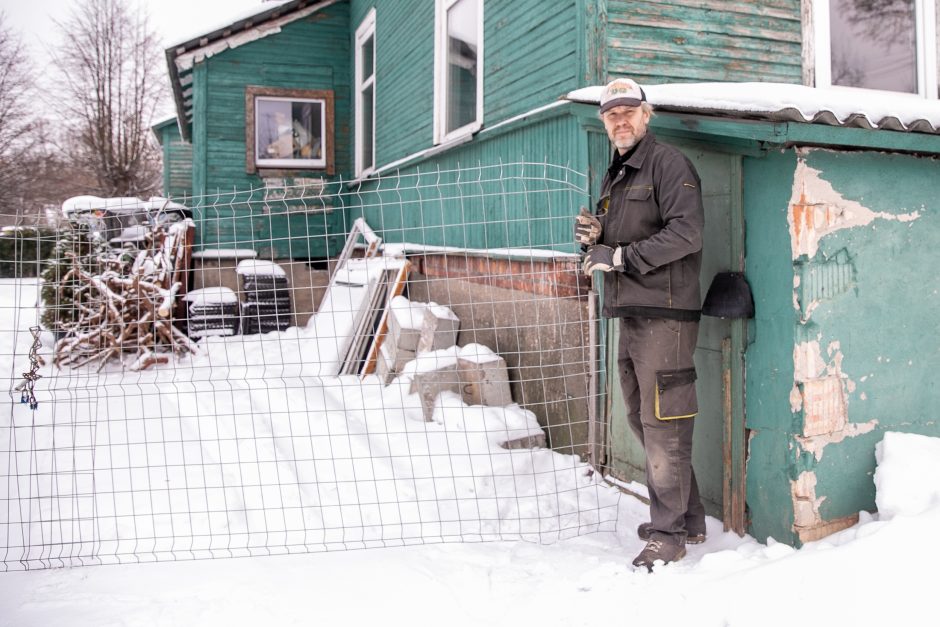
(440, 75)
(927, 51)
(292, 163)
(365, 31)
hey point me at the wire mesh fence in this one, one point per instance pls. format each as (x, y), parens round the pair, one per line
(407, 359)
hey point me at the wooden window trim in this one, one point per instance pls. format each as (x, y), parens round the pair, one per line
(254, 91)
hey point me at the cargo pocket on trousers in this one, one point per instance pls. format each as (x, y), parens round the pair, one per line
(675, 394)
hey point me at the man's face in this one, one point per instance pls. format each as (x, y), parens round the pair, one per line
(625, 126)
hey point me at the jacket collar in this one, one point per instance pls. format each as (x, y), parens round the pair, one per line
(636, 159)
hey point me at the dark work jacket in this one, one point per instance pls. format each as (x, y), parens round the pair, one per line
(652, 206)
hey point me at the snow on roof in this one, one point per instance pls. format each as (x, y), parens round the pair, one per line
(837, 106)
(230, 20)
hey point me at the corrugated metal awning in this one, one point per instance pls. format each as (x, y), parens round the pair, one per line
(835, 106)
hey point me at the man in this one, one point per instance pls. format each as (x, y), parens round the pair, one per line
(646, 236)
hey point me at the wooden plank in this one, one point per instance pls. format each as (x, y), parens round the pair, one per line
(362, 335)
(727, 493)
(682, 40)
(396, 287)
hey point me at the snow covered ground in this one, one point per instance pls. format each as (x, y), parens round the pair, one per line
(336, 464)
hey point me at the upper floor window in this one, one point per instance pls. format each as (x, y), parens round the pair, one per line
(289, 129)
(891, 45)
(458, 68)
(365, 95)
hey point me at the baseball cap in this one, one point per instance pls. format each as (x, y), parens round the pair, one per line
(621, 92)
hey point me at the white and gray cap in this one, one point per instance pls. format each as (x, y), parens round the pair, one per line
(622, 92)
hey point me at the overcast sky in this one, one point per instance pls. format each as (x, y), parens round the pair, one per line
(173, 20)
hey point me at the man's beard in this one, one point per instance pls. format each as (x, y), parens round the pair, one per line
(624, 145)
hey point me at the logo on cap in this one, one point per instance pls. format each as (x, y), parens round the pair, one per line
(622, 92)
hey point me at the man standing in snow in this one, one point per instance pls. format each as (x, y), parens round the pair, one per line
(646, 236)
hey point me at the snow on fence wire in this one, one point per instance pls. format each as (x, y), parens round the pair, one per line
(328, 365)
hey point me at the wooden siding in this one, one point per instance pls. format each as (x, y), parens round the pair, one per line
(311, 53)
(521, 188)
(177, 164)
(704, 40)
(530, 56)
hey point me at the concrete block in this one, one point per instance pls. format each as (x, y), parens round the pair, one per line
(405, 322)
(391, 361)
(439, 329)
(429, 384)
(485, 379)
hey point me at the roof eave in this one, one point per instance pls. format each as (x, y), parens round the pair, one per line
(218, 34)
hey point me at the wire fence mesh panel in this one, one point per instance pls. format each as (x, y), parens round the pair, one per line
(407, 359)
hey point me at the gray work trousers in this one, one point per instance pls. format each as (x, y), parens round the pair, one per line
(657, 376)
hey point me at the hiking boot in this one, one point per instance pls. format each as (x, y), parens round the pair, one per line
(645, 531)
(658, 551)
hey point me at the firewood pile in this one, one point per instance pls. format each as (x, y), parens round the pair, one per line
(126, 310)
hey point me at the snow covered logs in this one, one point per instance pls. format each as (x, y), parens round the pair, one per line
(128, 306)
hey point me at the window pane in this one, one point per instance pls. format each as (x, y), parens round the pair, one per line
(306, 123)
(289, 129)
(367, 57)
(873, 44)
(462, 46)
(274, 129)
(368, 102)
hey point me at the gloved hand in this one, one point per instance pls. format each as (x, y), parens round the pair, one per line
(587, 228)
(603, 258)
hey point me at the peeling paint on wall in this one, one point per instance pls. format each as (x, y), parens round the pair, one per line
(820, 389)
(817, 281)
(805, 503)
(817, 209)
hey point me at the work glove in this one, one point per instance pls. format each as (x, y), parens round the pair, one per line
(587, 228)
(603, 258)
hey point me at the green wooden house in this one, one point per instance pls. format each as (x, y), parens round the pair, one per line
(293, 122)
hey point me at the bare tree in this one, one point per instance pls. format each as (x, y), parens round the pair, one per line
(112, 82)
(16, 124)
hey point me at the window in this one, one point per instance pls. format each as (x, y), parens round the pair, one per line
(289, 129)
(365, 95)
(890, 45)
(458, 68)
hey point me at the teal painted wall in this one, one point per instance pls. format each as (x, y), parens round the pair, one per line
(679, 41)
(530, 57)
(768, 183)
(310, 53)
(177, 162)
(882, 316)
(854, 309)
(519, 188)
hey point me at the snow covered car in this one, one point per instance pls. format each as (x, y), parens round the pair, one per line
(122, 220)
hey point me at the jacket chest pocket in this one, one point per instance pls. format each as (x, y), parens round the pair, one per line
(637, 215)
(639, 195)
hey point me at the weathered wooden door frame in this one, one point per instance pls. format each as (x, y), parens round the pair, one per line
(734, 453)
